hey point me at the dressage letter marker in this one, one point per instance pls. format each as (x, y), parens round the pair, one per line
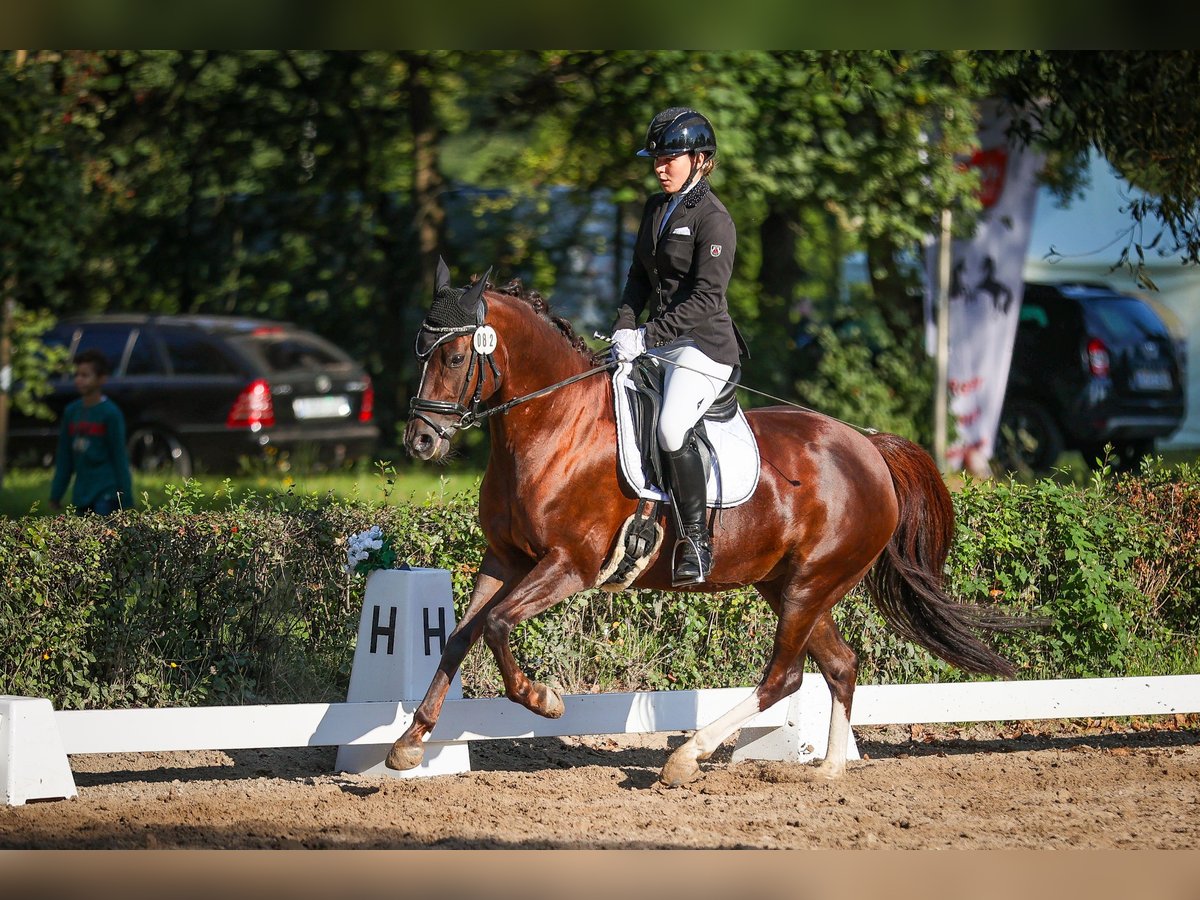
(417, 605)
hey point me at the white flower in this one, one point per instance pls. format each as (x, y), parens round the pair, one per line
(359, 547)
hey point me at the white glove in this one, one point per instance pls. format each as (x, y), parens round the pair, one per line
(629, 343)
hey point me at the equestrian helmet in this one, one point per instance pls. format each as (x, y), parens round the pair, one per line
(679, 130)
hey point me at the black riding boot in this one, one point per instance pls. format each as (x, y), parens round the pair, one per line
(693, 552)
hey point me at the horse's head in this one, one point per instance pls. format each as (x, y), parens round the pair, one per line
(455, 348)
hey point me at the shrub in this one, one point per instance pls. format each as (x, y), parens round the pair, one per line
(252, 603)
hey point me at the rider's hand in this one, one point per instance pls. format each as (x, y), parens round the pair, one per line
(629, 343)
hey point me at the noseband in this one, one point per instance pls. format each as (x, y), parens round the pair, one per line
(468, 415)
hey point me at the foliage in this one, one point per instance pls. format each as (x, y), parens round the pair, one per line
(863, 373)
(33, 361)
(250, 602)
(1137, 108)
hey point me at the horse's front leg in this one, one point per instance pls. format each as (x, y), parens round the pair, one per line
(409, 749)
(553, 579)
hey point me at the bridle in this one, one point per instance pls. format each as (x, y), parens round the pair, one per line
(468, 415)
(472, 414)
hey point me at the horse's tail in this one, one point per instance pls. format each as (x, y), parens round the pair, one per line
(906, 580)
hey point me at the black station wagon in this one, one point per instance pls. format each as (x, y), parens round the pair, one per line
(209, 391)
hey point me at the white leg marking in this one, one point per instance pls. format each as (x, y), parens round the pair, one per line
(839, 736)
(709, 738)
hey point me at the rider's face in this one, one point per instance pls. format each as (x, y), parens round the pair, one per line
(673, 171)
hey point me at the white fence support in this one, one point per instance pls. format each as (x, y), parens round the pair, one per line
(33, 763)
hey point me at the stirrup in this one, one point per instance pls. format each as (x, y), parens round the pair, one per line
(692, 562)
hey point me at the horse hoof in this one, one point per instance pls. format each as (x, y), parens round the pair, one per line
(830, 772)
(404, 756)
(679, 771)
(547, 701)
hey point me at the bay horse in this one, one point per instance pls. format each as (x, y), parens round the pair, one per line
(833, 506)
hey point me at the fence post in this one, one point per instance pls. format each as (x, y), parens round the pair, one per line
(33, 765)
(803, 737)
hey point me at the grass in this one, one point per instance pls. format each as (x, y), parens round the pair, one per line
(26, 492)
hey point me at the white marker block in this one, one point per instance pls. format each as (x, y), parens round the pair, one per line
(804, 735)
(33, 765)
(407, 617)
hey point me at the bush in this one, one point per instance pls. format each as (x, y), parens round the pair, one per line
(251, 602)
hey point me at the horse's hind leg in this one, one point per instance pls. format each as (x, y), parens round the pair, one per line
(409, 749)
(802, 605)
(797, 611)
(839, 665)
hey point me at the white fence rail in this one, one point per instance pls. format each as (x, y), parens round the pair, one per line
(329, 724)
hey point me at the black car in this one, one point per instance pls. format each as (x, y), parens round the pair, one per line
(1090, 367)
(209, 391)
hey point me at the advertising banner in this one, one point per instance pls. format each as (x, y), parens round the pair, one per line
(985, 292)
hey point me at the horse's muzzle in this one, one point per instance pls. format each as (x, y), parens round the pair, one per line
(423, 442)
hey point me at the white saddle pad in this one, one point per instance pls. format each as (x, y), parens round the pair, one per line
(733, 473)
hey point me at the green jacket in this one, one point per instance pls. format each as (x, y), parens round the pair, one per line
(91, 446)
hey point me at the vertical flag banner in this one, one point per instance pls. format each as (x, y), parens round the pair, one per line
(986, 283)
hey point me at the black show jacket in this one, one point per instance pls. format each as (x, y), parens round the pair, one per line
(683, 276)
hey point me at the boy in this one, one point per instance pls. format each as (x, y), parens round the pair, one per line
(91, 445)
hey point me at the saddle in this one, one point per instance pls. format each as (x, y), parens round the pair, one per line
(727, 447)
(647, 377)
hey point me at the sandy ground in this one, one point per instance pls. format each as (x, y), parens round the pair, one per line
(1073, 785)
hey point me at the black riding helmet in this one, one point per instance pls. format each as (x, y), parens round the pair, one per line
(679, 130)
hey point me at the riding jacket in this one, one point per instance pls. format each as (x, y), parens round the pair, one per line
(682, 275)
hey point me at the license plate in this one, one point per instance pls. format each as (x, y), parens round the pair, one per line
(1151, 380)
(336, 406)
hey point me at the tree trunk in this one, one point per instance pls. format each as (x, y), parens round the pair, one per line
(779, 236)
(429, 217)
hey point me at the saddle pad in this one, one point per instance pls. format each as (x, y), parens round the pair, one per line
(732, 474)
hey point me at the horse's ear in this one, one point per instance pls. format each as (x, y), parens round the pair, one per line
(443, 276)
(471, 300)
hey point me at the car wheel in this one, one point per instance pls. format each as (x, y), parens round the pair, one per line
(154, 450)
(1028, 439)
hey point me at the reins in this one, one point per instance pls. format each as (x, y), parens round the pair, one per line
(473, 415)
(471, 419)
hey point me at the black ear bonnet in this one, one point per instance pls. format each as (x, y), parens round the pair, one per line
(453, 309)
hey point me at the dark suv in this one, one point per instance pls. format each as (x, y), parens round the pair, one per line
(1090, 367)
(210, 390)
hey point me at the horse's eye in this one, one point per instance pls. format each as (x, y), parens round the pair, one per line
(457, 360)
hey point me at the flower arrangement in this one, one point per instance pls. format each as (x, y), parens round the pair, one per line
(369, 550)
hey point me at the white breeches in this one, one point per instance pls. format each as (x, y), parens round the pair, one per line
(690, 385)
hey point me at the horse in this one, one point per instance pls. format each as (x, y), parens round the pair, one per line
(834, 506)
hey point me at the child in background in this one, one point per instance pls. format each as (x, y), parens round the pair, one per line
(91, 445)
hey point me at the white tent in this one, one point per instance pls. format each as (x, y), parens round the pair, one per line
(1087, 238)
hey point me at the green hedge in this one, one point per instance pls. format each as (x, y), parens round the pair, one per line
(250, 603)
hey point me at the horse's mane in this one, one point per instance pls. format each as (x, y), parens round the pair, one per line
(515, 288)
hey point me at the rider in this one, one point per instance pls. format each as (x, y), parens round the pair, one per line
(681, 268)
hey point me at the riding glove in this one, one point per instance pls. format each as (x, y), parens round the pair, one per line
(629, 343)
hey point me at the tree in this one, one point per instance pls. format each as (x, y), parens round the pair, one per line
(46, 137)
(1136, 107)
